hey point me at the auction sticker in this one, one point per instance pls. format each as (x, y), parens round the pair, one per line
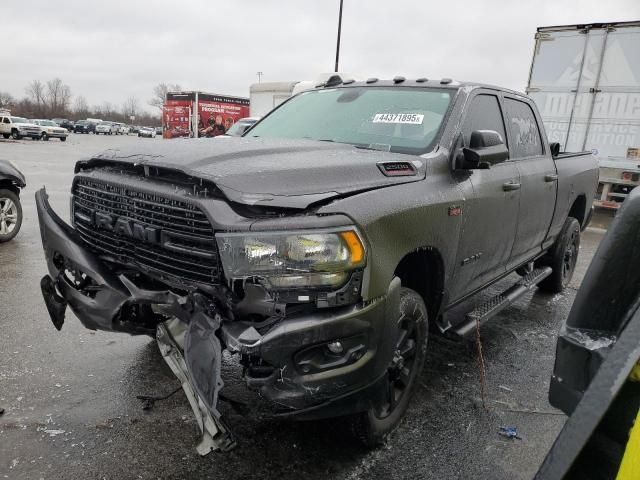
(411, 118)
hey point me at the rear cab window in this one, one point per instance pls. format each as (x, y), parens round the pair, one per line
(523, 128)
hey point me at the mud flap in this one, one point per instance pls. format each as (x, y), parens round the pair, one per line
(199, 373)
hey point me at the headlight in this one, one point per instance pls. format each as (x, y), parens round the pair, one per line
(49, 130)
(292, 259)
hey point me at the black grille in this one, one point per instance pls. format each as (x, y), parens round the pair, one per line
(184, 244)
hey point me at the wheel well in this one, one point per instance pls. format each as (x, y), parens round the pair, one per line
(423, 271)
(8, 185)
(578, 209)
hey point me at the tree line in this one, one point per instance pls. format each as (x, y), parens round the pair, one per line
(53, 99)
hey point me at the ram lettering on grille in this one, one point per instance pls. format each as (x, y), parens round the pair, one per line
(161, 235)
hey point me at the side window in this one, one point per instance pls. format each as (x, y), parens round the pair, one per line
(483, 114)
(6, 120)
(524, 130)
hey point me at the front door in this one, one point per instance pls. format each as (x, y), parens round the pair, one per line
(491, 208)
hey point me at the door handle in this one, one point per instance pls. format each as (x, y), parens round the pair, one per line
(509, 186)
(551, 177)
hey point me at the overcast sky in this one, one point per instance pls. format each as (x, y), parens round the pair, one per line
(109, 50)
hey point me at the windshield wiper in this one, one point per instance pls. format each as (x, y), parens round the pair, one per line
(380, 147)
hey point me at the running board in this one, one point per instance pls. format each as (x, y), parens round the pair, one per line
(493, 306)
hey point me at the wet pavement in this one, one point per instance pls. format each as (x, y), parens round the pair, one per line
(70, 397)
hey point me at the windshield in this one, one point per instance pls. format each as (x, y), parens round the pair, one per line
(105, 123)
(396, 119)
(18, 120)
(82, 122)
(47, 123)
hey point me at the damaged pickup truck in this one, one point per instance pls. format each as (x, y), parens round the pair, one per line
(322, 246)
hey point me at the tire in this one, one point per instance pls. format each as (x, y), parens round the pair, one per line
(373, 426)
(562, 257)
(10, 215)
(15, 135)
(63, 139)
(6, 135)
(44, 137)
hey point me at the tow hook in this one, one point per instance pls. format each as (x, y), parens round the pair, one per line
(215, 435)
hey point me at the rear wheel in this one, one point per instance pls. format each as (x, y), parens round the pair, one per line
(373, 426)
(562, 257)
(10, 215)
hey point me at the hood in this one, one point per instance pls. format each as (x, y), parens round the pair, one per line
(26, 124)
(273, 172)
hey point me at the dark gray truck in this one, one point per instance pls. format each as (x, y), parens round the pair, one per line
(323, 245)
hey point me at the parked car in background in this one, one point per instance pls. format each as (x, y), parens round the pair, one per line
(84, 126)
(18, 127)
(134, 128)
(106, 128)
(123, 129)
(241, 126)
(147, 132)
(64, 123)
(158, 130)
(11, 181)
(50, 129)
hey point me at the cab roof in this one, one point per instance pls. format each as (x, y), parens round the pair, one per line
(400, 81)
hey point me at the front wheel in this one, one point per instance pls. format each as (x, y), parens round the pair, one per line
(63, 139)
(15, 135)
(44, 137)
(562, 257)
(10, 215)
(6, 135)
(373, 426)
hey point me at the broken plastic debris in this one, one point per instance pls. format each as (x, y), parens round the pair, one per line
(53, 433)
(509, 432)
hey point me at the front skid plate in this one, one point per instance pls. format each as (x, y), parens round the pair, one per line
(199, 375)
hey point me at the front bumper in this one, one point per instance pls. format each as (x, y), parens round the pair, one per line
(58, 134)
(288, 364)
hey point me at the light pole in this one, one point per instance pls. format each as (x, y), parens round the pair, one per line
(259, 76)
(339, 31)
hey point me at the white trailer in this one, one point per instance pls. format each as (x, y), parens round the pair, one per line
(585, 80)
(264, 97)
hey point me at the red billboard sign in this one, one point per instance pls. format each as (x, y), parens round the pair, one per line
(176, 118)
(216, 114)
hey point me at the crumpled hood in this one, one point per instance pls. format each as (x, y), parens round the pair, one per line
(280, 173)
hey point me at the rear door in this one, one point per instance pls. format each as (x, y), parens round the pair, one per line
(538, 178)
(491, 207)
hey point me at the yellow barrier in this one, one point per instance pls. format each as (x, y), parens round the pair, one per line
(630, 466)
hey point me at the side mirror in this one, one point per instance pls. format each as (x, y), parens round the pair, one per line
(486, 148)
(555, 149)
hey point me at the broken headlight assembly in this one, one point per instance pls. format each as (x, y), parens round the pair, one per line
(293, 260)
